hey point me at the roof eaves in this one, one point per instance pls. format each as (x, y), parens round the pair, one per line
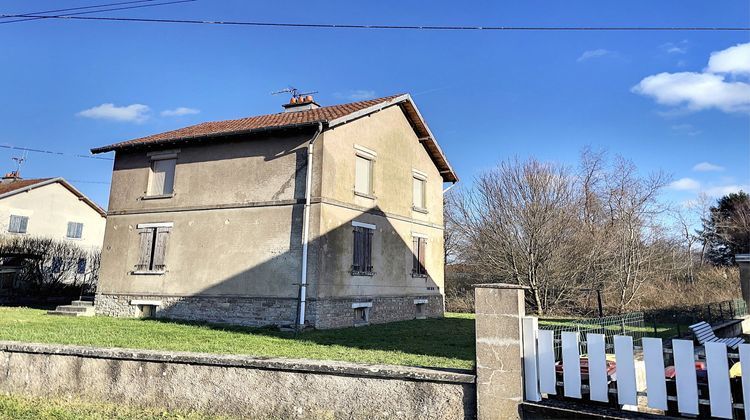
(127, 145)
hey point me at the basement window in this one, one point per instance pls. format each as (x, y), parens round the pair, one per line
(361, 313)
(146, 311)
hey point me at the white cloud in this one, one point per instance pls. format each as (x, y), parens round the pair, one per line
(707, 167)
(685, 184)
(129, 113)
(359, 94)
(675, 48)
(601, 52)
(734, 60)
(686, 129)
(722, 190)
(178, 112)
(696, 91)
(709, 89)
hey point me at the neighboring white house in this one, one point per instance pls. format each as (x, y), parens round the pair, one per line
(51, 208)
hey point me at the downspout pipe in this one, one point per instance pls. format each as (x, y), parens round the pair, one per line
(306, 228)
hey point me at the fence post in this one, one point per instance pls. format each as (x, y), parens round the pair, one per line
(499, 309)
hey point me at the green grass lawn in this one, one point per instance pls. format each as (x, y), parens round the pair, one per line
(23, 408)
(445, 343)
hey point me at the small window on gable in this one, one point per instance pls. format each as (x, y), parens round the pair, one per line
(161, 180)
(18, 224)
(419, 192)
(363, 175)
(75, 230)
(362, 249)
(419, 249)
(152, 248)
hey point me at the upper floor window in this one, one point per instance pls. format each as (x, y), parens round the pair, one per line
(75, 230)
(362, 249)
(419, 191)
(363, 171)
(161, 180)
(18, 224)
(153, 247)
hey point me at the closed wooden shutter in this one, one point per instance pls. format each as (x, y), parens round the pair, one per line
(357, 250)
(160, 249)
(363, 176)
(422, 246)
(144, 249)
(368, 250)
(415, 255)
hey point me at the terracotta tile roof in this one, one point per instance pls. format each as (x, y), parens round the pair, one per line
(18, 184)
(327, 115)
(270, 121)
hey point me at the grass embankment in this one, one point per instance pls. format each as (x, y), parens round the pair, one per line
(445, 343)
(22, 408)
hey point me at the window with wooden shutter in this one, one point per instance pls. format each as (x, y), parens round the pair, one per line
(362, 251)
(419, 250)
(419, 200)
(18, 224)
(81, 266)
(162, 177)
(363, 176)
(152, 249)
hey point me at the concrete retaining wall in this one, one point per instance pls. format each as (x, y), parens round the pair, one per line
(239, 386)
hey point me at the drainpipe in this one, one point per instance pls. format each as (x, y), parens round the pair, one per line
(449, 187)
(305, 229)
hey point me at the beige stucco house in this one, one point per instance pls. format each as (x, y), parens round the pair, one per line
(50, 208)
(322, 216)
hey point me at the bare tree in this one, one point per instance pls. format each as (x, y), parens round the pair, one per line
(512, 222)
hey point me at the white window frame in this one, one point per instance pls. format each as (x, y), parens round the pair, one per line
(422, 177)
(68, 231)
(371, 156)
(10, 223)
(154, 157)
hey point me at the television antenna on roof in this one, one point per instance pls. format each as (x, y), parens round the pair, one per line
(294, 92)
(19, 161)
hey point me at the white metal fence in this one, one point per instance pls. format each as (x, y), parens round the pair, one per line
(595, 377)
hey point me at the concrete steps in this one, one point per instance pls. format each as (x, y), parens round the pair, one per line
(76, 308)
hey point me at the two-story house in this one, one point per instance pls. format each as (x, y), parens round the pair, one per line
(324, 216)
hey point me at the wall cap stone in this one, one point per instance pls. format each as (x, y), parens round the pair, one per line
(499, 286)
(324, 367)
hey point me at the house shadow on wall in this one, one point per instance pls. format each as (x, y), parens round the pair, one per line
(279, 277)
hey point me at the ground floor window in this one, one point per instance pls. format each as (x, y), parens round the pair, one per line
(152, 247)
(362, 249)
(419, 246)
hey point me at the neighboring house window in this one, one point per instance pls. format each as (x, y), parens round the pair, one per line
(81, 266)
(362, 250)
(75, 230)
(419, 192)
(18, 224)
(419, 246)
(153, 246)
(162, 176)
(57, 263)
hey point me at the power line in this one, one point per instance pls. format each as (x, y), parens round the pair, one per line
(398, 27)
(75, 15)
(76, 8)
(50, 152)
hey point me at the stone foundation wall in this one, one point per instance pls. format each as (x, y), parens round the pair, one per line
(237, 386)
(338, 313)
(256, 312)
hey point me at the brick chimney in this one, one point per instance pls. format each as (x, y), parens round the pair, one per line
(10, 177)
(300, 103)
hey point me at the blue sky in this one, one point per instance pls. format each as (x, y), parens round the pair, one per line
(486, 95)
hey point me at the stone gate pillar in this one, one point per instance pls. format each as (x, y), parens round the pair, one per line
(499, 309)
(743, 260)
